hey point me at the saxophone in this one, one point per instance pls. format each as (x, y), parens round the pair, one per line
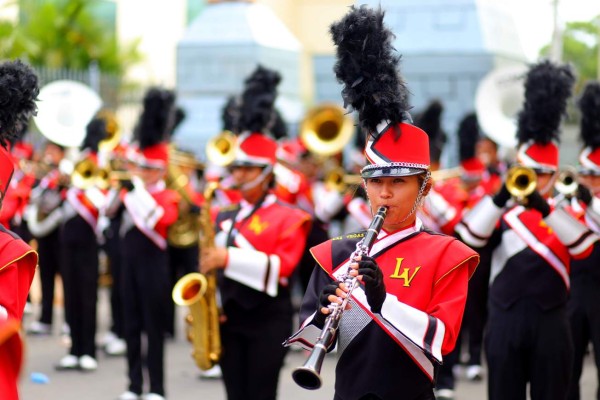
(199, 293)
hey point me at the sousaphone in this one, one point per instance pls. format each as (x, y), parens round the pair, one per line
(64, 109)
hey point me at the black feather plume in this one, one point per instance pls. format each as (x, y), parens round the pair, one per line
(156, 120)
(18, 93)
(589, 104)
(367, 66)
(547, 88)
(260, 92)
(278, 126)
(178, 117)
(95, 133)
(430, 120)
(231, 114)
(468, 135)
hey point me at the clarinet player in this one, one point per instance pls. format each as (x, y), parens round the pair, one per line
(406, 313)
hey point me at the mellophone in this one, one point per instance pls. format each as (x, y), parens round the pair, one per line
(308, 375)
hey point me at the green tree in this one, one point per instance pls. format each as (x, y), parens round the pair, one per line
(66, 34)
(580, 47)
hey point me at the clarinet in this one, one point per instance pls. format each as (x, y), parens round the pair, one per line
(308, 375)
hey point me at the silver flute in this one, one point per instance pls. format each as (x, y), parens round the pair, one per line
(308, 375)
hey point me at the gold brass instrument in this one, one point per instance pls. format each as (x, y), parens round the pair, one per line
(84, 174)
(448, 173)
(566, 183)
(220, 150)
(521, 182)
(39, 169)
(337, 179)
(198, 292)
(184, 232)
(326, 129)
(112, 130)
(308, 375)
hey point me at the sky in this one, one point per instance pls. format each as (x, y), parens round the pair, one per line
(534, 19)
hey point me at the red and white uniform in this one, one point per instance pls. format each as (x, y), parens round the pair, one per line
(151, 209)
(426, 278)
(264, 245)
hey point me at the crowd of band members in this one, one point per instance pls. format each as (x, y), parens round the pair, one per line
(129, 222)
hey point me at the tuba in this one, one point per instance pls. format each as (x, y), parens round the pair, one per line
(199, 293)
(498, 98)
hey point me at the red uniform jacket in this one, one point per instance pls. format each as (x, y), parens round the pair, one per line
(17, 267)
(426, 278)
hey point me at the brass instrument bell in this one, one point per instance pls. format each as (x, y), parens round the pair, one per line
(566, 183)
(337, 179)
(521, 182)
(220, 150)
(326, 129)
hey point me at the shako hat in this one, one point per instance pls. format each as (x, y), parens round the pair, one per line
(468, 135)
(367, 66)
(547, 88)
(589, 104)
(430, 120)
(255, 147)
(154, 127)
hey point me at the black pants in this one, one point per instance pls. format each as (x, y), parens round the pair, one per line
(426, 396)
(113, 251)
(49, 252)
(146, 295)
(80, 279)
(526, 344)
(584, 315)
(253, 357)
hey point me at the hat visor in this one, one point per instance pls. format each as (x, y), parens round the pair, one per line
(588, 171)
(390, 171)
(246, 163)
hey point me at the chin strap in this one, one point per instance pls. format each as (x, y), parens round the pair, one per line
(256, 181)
(418, 200)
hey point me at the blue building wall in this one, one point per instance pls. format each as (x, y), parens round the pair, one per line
(447, 47)
(218, 51)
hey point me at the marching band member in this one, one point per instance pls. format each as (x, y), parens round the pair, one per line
(584, 303)
(18, 89)
(150, 208)
(406, 313)
(462, 193)
(528, 337)
(44, 216)
(113, 341)
(79, 268)
(430, 121)
(258, 245)
(19, 190)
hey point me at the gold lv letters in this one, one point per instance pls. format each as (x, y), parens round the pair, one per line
(406, 275)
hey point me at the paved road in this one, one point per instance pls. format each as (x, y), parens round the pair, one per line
(182, 382)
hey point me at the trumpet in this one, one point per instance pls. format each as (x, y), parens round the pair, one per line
(566, 183)
(308, 375)
(521, 182)
(38, 169)
(337, 179)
